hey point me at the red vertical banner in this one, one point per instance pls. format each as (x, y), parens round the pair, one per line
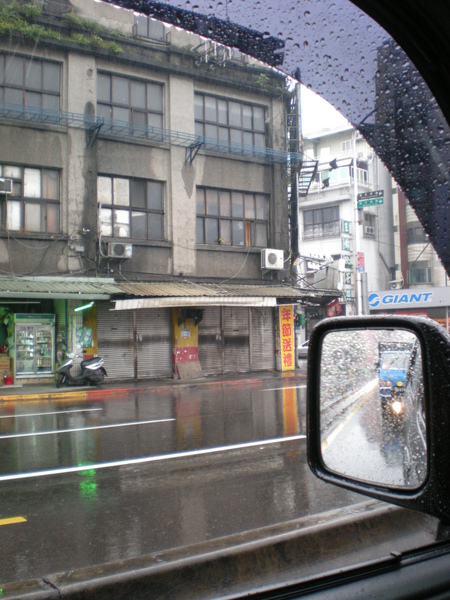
(285, 339)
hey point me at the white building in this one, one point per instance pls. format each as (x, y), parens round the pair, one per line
(339, 244)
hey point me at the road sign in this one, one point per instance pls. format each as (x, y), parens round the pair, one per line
(370, 198)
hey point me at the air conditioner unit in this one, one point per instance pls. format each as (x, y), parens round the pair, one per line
(5, 186)
(119, 250)
(369, 230)
(272, 259)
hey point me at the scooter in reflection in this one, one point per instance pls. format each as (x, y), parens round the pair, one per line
(92, 372)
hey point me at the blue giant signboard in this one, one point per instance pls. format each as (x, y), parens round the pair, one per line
(411, 298)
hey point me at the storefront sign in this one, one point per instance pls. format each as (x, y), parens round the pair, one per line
(410, 298)
(286, 338)
(360, 262)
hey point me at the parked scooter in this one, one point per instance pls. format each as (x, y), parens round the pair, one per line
(92, 372)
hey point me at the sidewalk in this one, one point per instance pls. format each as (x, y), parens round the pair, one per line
(11, 393)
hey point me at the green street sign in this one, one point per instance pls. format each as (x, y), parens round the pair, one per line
(370, 198)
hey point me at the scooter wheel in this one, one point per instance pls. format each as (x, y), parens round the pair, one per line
(60, 381)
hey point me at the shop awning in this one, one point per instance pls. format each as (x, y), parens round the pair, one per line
(158, 295)
(54, 288)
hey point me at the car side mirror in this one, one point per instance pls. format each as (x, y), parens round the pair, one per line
(378, 409)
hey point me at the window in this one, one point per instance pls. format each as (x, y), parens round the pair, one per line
(321, 222)
(29, 81)
(420, 272)
(338, 176)
(149, 28)
(129, 100)
(33, 205)
(229, 121)
(232, 218)
(347, 147)
(415, 234)
(130, 208)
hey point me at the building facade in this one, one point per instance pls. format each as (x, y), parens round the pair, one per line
(340, 246)
(144, 182)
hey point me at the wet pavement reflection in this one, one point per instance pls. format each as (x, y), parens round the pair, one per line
(96, 515)
(36, 437)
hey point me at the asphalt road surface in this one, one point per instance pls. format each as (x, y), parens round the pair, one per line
(84, 484)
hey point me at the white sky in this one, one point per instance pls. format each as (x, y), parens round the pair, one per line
(318, 114)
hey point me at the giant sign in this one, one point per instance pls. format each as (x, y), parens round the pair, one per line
(412, 298)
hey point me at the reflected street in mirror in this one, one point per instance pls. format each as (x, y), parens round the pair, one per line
(372, 407)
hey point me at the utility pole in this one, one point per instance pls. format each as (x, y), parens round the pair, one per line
(357, 245)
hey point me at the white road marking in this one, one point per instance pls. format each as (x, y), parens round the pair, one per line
(295, 387)
(55, 412)
(332, 436)
(149, 459)
(8, 436)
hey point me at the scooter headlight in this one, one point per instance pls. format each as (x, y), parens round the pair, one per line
(397, 407)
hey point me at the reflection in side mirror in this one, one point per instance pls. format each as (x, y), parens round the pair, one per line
(372, 416)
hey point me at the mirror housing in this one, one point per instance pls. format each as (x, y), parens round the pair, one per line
(433, 495)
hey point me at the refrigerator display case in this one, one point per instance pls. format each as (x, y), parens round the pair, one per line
(34, 344)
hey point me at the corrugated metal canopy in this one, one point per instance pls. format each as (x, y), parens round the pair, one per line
(77, 288)
(155, 295)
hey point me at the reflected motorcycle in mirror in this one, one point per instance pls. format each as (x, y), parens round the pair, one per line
(361, 438)
(92, 372)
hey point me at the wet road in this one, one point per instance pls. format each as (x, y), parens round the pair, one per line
(368, 441)
(84, 484)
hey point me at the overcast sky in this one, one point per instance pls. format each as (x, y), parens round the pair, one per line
(318, 114)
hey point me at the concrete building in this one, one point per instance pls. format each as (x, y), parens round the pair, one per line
(144, 177)
(337, 242)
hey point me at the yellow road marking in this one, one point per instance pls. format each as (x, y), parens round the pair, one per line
(12, 520)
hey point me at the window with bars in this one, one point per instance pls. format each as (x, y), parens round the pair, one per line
(129, 100)
(229, 121)
(30, 81)
(232, 218)
(130, 208)
(34, 204)
(321, 222)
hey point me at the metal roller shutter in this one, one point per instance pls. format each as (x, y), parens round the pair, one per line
(115, 341)
(154, 342)
(263, 339)
(209, 341)
(236, 339)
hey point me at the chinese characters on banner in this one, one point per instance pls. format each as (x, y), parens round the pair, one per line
(285, 339)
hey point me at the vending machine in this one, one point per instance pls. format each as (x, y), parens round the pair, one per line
(34, 345)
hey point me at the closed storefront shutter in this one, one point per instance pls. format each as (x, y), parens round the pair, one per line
(263, 339)
(154, 342)
(209, 341)
(115, 340)
(236, 339)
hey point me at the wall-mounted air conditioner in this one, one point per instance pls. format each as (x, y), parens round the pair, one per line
(369, 230)
(5, 186)
(272, 259)
(119, 250)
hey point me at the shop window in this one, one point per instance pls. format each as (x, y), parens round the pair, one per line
(232, 218)
(34, 204)
(30, 82)
(130, 208)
